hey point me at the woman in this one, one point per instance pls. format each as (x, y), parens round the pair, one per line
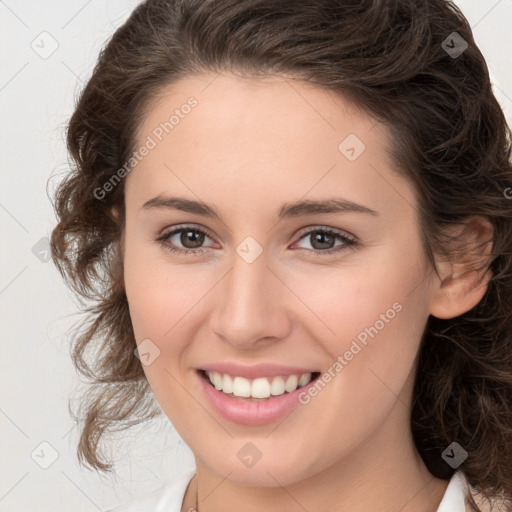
(294, 220)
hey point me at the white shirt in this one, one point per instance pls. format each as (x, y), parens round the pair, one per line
(169, 498)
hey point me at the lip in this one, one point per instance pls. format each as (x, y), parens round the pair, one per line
(246, 412)
(256, 371)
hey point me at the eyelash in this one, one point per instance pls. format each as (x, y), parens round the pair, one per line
(348, 242)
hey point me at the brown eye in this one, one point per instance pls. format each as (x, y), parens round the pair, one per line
(185, 240)
(323, 241)
(191, 236)
(320, 240)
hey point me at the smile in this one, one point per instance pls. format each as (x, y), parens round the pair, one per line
(260, 388)
(263, 400)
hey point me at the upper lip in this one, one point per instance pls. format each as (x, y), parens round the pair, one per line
(255, 371)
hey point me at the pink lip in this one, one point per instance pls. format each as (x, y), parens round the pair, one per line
(255, 371)
(246, 412)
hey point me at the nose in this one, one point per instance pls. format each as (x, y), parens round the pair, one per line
(250, 305)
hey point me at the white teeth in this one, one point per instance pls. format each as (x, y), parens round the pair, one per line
(260, 388)
(291, 383)
(241, 387)
(304, 379)
(217, 380)
(277, 386)
(227, 384)
(257, 388)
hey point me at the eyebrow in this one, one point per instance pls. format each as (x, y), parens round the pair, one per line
(288, 210)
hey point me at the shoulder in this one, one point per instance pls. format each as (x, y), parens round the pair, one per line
(167, 497)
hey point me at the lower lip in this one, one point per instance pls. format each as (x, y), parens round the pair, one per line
(246, 412)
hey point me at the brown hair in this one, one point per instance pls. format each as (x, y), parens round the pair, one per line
(450, 139)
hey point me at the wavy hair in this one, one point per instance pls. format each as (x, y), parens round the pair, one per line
(449, 138)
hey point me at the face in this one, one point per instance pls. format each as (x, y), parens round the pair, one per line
(341, 292)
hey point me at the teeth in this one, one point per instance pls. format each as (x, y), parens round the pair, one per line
(260, 388)
(241, 387)
(291, 383)
(216, 380)
(277, 386)
(257, 388)
(227, 384)
(304, 379)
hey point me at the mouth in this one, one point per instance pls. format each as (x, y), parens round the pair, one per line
(257, 390)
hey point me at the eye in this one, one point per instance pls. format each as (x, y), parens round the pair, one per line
(190, 237)
(323, 241)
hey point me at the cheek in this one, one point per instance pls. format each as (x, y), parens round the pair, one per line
(161, 299)
(164, 297)
(372, 315)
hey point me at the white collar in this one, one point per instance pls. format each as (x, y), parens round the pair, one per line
(454, 499)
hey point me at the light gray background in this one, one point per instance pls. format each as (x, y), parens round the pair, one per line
(37, 93)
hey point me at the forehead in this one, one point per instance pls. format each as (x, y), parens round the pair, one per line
(265, 105)
(273, 135)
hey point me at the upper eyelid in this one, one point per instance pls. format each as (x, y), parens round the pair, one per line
(309, 229)
(181, 227)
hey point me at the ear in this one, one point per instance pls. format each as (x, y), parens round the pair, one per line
(463, 281)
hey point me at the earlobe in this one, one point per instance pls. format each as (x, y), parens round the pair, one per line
(463, 282)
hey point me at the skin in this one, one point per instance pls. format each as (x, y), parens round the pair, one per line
(250, 146)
